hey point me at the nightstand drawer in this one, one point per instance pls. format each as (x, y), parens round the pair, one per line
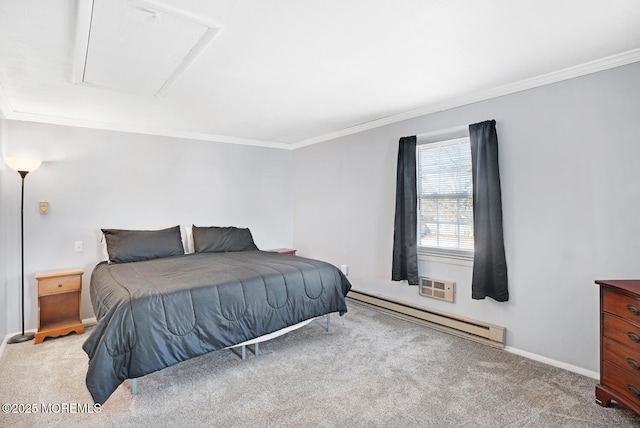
(621, 356)
(622, 305)
(621, 331)
(62, 284)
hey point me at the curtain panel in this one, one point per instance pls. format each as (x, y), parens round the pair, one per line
(405, 245)
(489, 263)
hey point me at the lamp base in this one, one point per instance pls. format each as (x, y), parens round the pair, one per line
(19, 338)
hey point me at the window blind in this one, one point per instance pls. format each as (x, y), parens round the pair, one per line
(445, 195)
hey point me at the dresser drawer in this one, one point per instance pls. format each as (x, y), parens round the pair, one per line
(620, 381)
(622, 305)
(621, 356)
(622, 331)
(61, 284)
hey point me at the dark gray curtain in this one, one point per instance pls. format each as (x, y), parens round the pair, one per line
(489, 264)
(405, 246)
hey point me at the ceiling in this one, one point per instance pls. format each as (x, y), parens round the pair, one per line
(288, 73)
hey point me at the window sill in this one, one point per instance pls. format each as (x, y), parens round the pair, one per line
(461, 259)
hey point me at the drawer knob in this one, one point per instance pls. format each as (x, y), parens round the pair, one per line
(633, 309)
(633, 390)
(633, 363)
(59, 285)
(633, 336)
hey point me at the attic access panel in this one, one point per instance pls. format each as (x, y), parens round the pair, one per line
(142, 47)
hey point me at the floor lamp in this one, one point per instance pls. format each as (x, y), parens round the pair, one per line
(23, 167)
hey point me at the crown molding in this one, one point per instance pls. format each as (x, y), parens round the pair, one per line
(584, 69)
(545, 79)
(609, 62)
(117, 127)
(368, 125)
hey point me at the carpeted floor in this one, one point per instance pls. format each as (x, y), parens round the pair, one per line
(372, 370)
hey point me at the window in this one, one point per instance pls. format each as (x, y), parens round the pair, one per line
(445, 196)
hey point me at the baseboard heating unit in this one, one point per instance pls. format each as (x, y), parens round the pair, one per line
(470, 329)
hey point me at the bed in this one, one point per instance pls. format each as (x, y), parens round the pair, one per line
(156, 306)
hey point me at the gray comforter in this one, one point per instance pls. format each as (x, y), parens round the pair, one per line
(153, 314)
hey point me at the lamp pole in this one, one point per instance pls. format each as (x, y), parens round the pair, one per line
(18, 338)
(22, 167)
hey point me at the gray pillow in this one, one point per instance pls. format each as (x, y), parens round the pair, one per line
(124, 246)
(222, 239)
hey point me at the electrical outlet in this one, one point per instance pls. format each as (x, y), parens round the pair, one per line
(78, 246)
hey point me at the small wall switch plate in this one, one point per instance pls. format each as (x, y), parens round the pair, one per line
(77, 246)
(344, 269)
(43, 207)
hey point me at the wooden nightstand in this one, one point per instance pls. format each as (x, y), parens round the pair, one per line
(59, 300)
(284, 251)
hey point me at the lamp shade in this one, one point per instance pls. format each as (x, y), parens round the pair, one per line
(18, 164)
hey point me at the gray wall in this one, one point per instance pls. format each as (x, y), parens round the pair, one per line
(100, 179)
(569, 157)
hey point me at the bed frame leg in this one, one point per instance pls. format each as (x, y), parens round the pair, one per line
(256, 349)
(134, 386)
(256, 346)
(242, 353)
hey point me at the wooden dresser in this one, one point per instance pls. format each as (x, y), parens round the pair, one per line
(619, 344)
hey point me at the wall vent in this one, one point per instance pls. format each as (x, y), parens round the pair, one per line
(436, 289)
(464, 327)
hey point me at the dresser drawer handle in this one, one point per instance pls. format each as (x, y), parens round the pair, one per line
(59, 285)
(634, 337)
(633, 363)
(633, 309)
(633, 390)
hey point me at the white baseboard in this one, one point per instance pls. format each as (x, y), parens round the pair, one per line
(554, 363)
